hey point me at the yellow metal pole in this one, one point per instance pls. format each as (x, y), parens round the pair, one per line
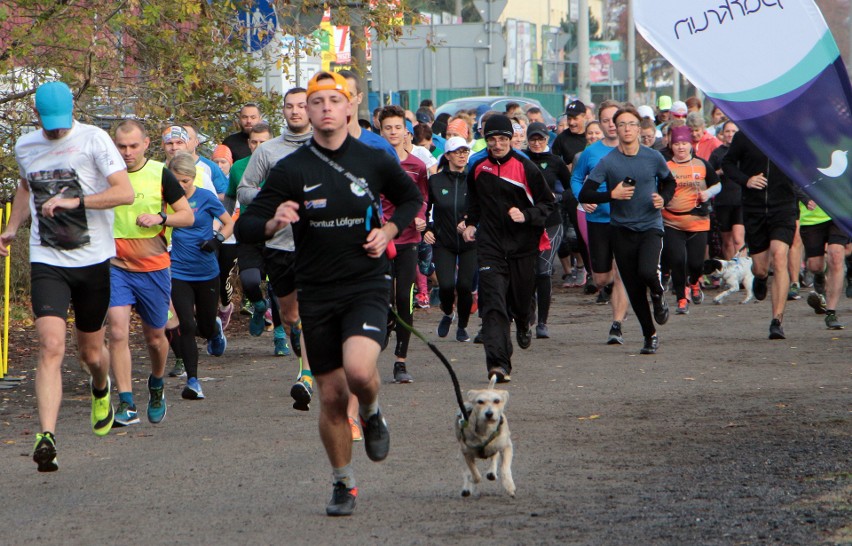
(6, 282)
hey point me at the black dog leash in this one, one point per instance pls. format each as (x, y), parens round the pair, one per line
(442, 358)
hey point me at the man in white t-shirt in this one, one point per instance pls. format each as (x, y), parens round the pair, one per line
(71, 176)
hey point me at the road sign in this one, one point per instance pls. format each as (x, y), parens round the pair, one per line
(258, 24)
(497, 7)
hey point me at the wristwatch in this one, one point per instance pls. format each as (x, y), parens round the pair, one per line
(219, 236)
(163, 216)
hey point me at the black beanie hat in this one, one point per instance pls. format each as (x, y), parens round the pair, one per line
(498, 125)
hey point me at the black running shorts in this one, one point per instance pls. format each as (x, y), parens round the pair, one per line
(280, 270)
(761, 227)
(815, 238)
(728, 216)
(600, 248)
(327, 324)
(54, 288)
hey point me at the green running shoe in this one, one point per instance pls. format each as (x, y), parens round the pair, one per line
(156, 403)
(44, 452)
(179, 370)
(103, 413)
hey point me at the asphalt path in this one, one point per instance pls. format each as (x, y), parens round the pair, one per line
(724, 437)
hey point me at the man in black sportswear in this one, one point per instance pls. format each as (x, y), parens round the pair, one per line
(509, 202)
(328, 190)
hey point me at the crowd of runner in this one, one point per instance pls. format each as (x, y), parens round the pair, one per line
(474, 209)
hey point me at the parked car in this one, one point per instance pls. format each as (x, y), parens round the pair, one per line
(494, 103)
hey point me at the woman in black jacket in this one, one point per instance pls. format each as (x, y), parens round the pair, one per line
(447, 201)
(558, 178)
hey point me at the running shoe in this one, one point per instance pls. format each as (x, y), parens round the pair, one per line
(342, 501)
(192, 390)
(257, 324)
(524, 338)
(661, 309)
(224, 314)
(775, 330)
(579, 276)
(296, 337)
(376, 437)
(502, 375)
(302, 393)
(247, 309)
(759, 287)
(817, 302)
(281, 347)
(156, 403)
(541, 331)
(217, 345)
(819, 283)
(697, 293)
(603, 298)
(831, 321)
(807, 279)
(421, 301)
(569, 280)
(400, 374)
(615, 335)
(461, 335)
(434, 296)
(103, 413)
(179, 370)
(268, 325)
(793, 293)
(44, 452)
(356, 431)
(444, 325)
(652, 343)
(589, 288)
(682, 307)
(125, 415)
(478, 337)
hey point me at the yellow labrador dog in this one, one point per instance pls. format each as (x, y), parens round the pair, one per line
(485, 435)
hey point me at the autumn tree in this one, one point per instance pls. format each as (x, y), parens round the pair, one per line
(156, 60)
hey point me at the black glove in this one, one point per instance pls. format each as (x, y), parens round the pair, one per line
(212, 245)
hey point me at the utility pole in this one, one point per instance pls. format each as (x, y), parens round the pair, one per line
(631, 53)
(584, 89)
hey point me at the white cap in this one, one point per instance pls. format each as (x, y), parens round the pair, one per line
(646, 111)
(679, 108)
(454, 143)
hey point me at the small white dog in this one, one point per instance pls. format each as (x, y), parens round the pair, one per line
(733, 273)
(485, 435)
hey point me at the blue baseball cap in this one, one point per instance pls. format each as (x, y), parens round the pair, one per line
(55, 103)
(409, 127)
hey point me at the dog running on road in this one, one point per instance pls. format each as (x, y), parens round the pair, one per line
(485, 435)
(733, 273)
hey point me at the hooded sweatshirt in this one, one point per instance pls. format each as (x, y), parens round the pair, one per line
(262, 160)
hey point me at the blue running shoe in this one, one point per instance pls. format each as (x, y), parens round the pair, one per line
(156, 403)
(281, 347)
(217, 345)
(256, 323)
(192, 390)
(125, 415)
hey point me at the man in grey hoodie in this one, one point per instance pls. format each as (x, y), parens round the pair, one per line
(279, 253)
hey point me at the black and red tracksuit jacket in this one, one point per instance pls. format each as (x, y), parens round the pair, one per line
(495, 186)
